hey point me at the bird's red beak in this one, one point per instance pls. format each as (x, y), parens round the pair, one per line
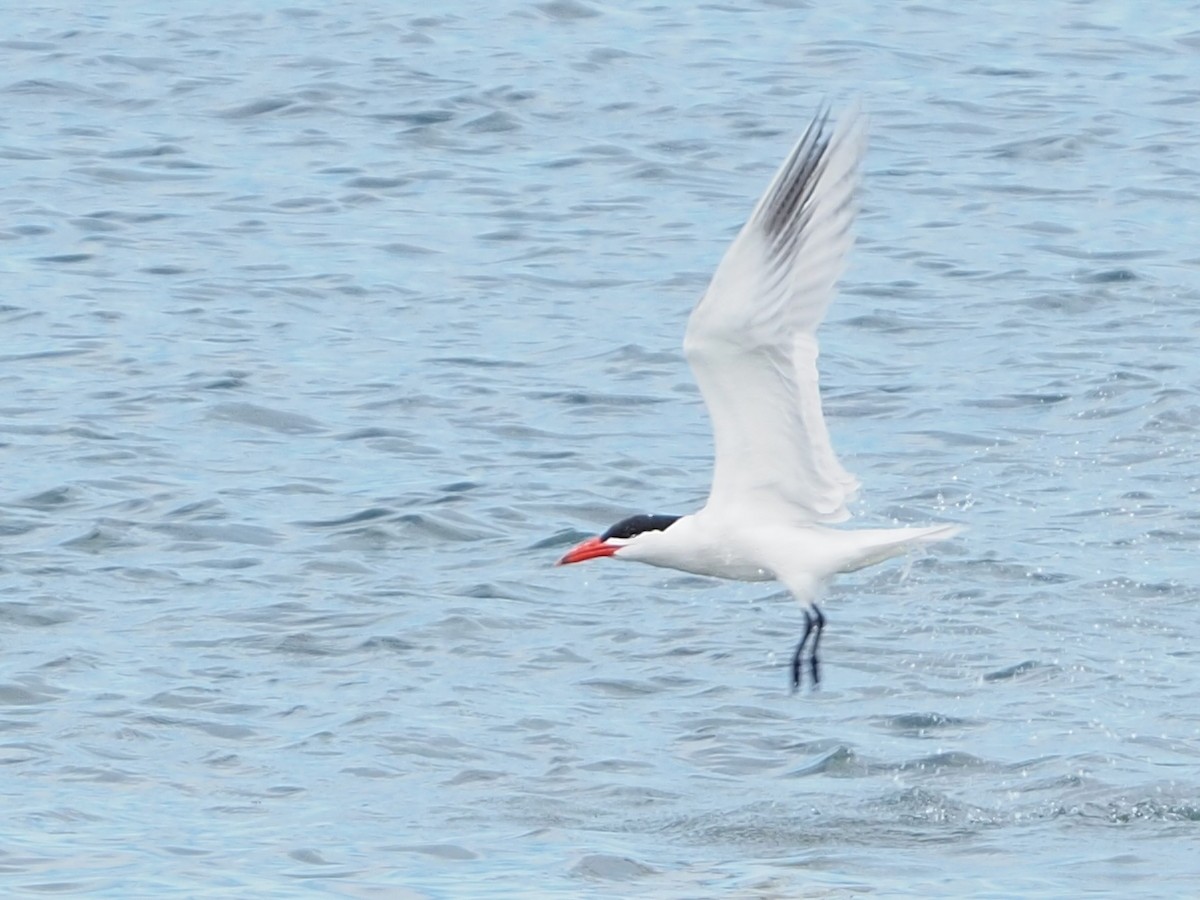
(589, 549)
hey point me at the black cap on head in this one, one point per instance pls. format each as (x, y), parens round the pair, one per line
(634, 525)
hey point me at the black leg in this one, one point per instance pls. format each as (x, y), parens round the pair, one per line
(814, 623)
(816, 673)
(797, 658)
(796, 666)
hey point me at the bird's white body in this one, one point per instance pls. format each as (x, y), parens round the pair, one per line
(751, 341)
(801, 557)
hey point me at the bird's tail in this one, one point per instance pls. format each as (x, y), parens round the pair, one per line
(870, 546)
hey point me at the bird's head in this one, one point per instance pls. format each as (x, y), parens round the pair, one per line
(635, 532)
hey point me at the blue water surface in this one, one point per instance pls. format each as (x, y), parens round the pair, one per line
(327, 328)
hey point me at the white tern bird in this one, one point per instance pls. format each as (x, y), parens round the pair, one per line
(751, 342)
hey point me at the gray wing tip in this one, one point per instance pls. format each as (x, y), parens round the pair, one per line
(787, 205)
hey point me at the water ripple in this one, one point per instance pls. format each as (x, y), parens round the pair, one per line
(316, 359)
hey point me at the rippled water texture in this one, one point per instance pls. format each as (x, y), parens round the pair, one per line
(327, 328)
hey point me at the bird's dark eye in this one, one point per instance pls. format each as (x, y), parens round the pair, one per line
(634, 525)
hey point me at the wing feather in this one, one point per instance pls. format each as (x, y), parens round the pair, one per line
(751, 340)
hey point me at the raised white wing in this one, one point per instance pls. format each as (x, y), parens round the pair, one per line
(751, 340)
